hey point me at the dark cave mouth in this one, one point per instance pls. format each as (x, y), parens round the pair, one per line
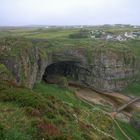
(57, 72)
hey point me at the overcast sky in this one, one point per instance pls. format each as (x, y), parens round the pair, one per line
(69, 12)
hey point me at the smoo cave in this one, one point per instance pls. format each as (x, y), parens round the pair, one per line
(57, 72)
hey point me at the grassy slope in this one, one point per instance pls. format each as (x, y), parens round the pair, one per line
(25, 114)
(63, 94)
(14, 124)
(129, 130)
(133, 89)
(47, 112)
(70, 99)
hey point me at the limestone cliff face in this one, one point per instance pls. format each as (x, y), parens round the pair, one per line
(23, 66)
(103, 69)
(110, 70)
(25, 61)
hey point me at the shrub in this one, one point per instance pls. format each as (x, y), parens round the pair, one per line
(63, 82)
(81, 34)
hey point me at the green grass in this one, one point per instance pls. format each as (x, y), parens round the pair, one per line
(58, 40)
(23, 111)
(47, 112)
(37, 33)
(129, 130)
(133, 89)
(19, 96)
(14, 123)
(48, 34)
(66, 95)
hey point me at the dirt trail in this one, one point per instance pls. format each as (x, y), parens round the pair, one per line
(115, 100)
(93, 97)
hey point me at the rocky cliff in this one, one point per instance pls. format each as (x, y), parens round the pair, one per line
(101, 67)
(111, 70)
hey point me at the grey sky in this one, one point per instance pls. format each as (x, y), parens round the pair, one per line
(69, 12)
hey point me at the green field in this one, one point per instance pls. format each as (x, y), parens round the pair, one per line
(60, 37)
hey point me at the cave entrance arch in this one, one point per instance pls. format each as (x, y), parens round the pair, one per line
(55, 71)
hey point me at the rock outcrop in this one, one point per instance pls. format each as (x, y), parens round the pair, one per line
(102, 68)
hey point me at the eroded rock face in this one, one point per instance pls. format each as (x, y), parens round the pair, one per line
(110, 71)
(105, 70)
